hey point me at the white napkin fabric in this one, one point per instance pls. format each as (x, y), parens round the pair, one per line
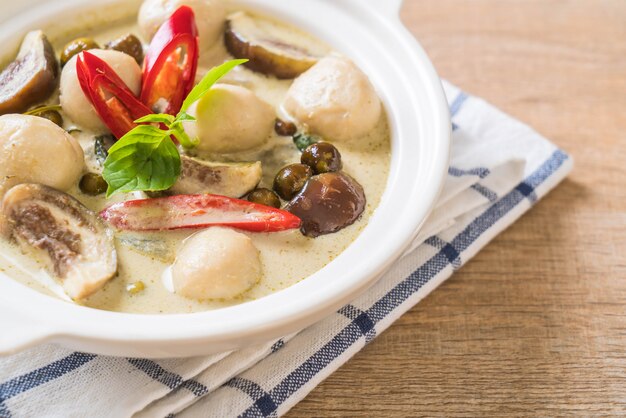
(499, 169)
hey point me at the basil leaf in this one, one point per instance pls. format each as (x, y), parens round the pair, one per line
(145, 159)
(156, 118)
(207, 82)
(182, 137)
(185, 117)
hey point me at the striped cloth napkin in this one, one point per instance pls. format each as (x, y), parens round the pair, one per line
(499, 169)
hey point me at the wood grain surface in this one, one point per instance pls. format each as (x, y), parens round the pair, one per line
(535, 325)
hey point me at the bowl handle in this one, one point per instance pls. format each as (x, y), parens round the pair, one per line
(388, 7)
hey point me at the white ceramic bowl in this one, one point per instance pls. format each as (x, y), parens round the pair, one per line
(370, 32)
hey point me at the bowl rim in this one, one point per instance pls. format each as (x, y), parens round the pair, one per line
(282, 312)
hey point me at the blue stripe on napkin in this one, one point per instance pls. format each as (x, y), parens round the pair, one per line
(40, 376)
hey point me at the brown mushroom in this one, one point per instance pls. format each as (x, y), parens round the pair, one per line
(56, 228)
(328, 203)
(31, 78)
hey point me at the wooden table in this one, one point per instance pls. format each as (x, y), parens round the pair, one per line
(535, 325)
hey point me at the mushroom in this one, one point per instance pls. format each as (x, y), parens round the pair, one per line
(335, 99)
(328, 203)
(210, 17)
(224, 179)
(31, 78)
(264, 43)
(35, 150)
(56, 228)
(230, 119)
(217, 263)
(73, 100)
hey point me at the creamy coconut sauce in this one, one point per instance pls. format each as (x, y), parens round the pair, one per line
(287, 257)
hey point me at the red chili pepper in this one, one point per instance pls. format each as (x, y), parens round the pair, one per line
(169, 70)
(115, 103)
(197, 211)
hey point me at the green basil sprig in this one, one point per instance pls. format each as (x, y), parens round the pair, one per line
(146, 158)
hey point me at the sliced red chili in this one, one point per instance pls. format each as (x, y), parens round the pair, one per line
(114, 102)
(197, 211)
(170, 66)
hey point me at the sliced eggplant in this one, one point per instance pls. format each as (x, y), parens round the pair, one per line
(263, 43)
(56, 228)
(31, 78)
(224, 179)
(328, 203)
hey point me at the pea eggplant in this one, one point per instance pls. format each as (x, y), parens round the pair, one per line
(322, 157)
(291, 179)
(265, 197)
(75, 47)
(128, 44)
